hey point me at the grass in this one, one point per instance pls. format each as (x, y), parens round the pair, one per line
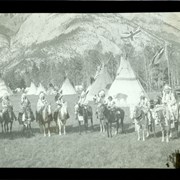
(91, 150)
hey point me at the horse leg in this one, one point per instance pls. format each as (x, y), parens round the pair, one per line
(143, 133)
(163, 132)
(122, 125)
(110, 129)
(138, 132)
(79, 127)
(167, 135)
(59, 124)
(117, 126)
(101, 126)
(11, 127)
(64, 125)
(49, 132)
(107, 127)
(2, 126)
(92, 126)
(44, 129)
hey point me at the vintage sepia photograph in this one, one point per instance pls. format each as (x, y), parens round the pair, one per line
(89, 90)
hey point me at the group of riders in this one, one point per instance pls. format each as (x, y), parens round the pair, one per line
(25, 105)
(168, 100)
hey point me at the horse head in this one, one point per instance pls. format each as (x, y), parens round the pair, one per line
(137, 114)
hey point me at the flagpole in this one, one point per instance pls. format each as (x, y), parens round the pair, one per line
(168, 64)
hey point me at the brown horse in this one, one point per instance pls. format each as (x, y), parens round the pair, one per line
(44, 118)
(83, 114)
(113, 116)
(7, 119)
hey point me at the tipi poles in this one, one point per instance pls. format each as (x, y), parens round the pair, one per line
(168, 64)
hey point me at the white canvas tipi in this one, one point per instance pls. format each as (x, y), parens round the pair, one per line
(102, 82)
(67, 88)
(32, 89)
(3, 89)
(40, 89)
(126, 88)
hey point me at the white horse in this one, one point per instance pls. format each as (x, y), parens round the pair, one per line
(62, 117)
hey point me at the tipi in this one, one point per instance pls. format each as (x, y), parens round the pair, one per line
(40, 89)
(102, 82)
(3, 89)
(126, 88)
(67, 88)
(32, 89)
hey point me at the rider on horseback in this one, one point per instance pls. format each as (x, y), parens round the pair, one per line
(42, 102)
(169, 101)
(25, 104)
(6, 104)
(144, 105)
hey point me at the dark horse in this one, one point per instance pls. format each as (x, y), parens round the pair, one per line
(83, 114)
(29, 117)
(113, 116)
(7, 119)
(44, 118)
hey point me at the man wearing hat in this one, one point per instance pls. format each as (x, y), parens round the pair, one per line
(168, 99)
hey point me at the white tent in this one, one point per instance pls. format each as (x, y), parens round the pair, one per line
(67, 88)
(126, 88)
(4, 89)
(32, 89)
(102, 82)
(40, 89)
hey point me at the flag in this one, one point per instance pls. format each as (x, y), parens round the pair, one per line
(158, 57)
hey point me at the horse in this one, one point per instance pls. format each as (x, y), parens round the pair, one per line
(2, 121)
(29, 117)
(141, 122)
(8, 118)
(61, 118)
(113, 116)
(44, 118)
(101, 117)
(166, 120)
(83, 114)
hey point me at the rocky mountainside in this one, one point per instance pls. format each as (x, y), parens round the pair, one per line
(46, 47)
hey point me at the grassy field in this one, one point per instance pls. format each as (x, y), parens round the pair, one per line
(91, 150)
